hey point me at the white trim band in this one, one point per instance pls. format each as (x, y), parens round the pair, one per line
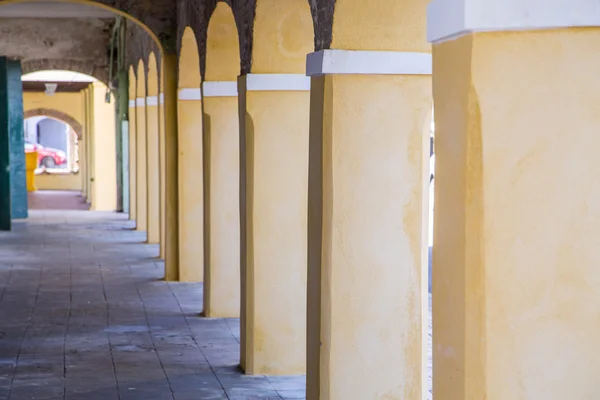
(351, 62)
(152, 101)
(277, 82)
(162, 98)
(189, 94)
(140, 102)
(131, 103)
(451, 19)
(220, 89)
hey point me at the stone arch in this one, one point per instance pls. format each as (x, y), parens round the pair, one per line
(58, 115)
(223, 61)
(83, 67)
(157, 18)
(282, 37)
(197, 15)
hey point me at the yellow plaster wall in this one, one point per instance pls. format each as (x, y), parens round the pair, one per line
(390, 25)
(222, 48)
(58, 182)
(153, 155)
(283, 36)
(104, 151)
(516, 259)
(189, 61)
(68, 103)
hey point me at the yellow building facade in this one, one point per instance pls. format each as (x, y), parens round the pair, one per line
(95, 122)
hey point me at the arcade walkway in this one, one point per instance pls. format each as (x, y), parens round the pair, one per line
(85, 315)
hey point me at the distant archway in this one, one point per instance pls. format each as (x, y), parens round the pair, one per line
(83, 67)
(58, 115)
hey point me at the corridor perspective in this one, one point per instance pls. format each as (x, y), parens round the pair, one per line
(299, 199)
(85, 315)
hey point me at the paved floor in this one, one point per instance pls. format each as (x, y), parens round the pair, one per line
(56, 200)
(84, 315)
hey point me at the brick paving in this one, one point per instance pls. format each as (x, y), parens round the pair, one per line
(84, 315)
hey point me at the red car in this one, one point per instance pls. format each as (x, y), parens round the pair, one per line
(47, 157)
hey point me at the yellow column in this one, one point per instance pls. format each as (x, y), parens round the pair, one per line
(103, 151)
(516, 294)
(191, 186)
(221, 133)
(368, 192)
(82, 162)
(152, 153)
(163, 174)
(171, 179)
(132, 146)
(191, 177)
(83, 146)
(275, 125)
(89, 111)
(141, 153)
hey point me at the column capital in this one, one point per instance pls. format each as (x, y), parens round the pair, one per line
(277, 82)
(152, 101)
(189, 94)
(219, 88)
(451, 19)
(359, 62)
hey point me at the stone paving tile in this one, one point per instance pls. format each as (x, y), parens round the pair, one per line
(86, 316)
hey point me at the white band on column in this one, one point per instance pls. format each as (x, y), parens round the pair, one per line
(131, 103)
(351, 62)
(152, 101)
(140, 102)
(162, 98)
(220, 89)
(450, 19)
(277, 82)
(190, 94)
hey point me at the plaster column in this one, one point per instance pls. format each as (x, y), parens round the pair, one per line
(141, 157)
(221, 160)
(516, 261)
(274, 115)
(103, 151)
(191, 185)
(163, 175)
(153, 172)
(132, 116)
(370, 115)
(171, 168)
